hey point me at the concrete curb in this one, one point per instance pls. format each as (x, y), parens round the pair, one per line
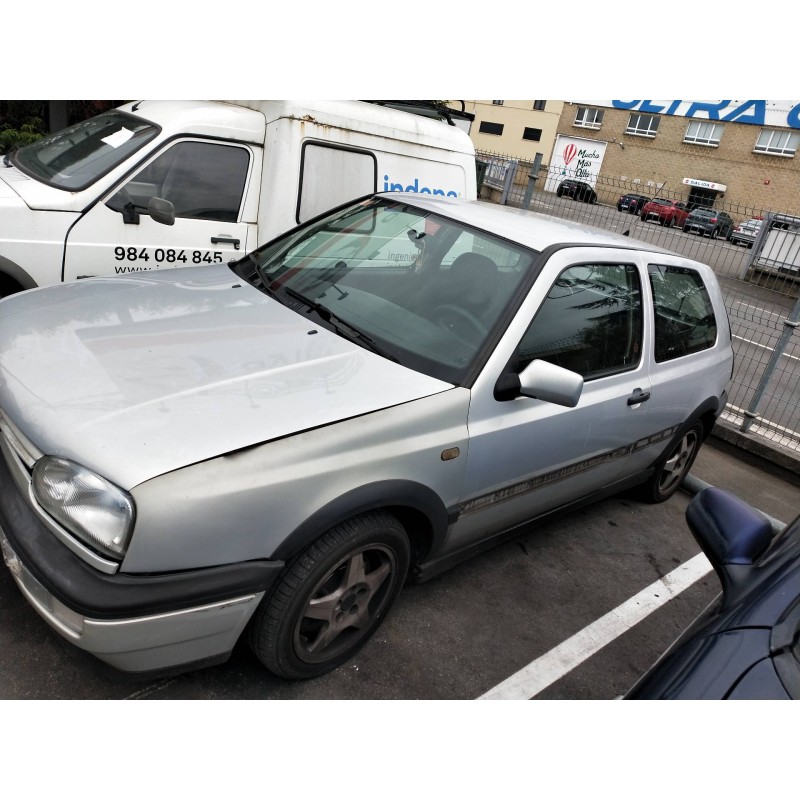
(759, 446)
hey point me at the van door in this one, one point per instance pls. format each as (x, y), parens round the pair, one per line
(207, 183)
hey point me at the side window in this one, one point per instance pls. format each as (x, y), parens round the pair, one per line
(202, 180)
(330, 176)
(684, 316)
(590, 322)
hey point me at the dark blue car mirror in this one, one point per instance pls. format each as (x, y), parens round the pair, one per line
(732, 533)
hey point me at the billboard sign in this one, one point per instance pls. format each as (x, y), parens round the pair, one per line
(576, 158)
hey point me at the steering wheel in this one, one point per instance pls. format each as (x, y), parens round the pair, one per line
(460, 322)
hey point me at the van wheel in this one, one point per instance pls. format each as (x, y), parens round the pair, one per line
(672, 469)
(332, 597)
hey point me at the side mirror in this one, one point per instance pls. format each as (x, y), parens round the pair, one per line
(545, 381)
(161, 211)
(731, 533)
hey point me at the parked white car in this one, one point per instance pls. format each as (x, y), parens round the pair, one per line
(746, 232)
(277, 444)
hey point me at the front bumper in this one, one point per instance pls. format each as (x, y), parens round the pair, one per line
(193, 635)
(133, 622)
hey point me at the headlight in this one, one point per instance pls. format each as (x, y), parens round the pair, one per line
(97, 512)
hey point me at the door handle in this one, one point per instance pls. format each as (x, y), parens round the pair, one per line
(637, 397)
(226, 240)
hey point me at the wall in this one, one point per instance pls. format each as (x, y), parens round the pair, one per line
(753, 180)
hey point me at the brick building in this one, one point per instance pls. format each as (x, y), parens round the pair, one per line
(516, 128)
(739, 155)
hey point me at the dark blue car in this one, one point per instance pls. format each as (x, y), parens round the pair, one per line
(746, 644)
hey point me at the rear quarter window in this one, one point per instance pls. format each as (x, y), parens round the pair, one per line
(684, 316)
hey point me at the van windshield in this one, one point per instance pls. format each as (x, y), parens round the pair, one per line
(76, 157)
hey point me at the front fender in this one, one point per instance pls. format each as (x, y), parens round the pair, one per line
(402, 497)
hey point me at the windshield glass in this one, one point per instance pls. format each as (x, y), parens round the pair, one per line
(76, 157)
(423, 289)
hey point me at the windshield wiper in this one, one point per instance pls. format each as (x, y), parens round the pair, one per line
(341, 327)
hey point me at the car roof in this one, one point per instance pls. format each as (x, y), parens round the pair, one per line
(528, 228)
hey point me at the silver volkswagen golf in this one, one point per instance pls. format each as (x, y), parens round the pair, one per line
(273, 447)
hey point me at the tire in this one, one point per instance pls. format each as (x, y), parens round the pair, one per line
(352, 574)
(714, 233)
(686, 229)
(674, 467)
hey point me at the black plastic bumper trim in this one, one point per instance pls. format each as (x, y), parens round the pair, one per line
(96, 595)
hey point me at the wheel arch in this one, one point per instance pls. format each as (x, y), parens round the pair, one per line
(417, 507)
(706, 413)
(13, 278)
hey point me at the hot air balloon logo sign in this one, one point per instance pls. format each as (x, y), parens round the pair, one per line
(570, 151)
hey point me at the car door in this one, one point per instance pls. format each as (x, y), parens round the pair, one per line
(527, 456)
(206, 181)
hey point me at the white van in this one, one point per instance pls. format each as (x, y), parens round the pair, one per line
(160, 184)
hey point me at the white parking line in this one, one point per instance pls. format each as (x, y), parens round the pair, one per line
(547, 669)
(757, 308)
(766, 347)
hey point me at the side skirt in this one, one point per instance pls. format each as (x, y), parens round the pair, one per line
(432, 567)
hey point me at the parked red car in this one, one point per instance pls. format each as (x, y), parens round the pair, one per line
(667, 212)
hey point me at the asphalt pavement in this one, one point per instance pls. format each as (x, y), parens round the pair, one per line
(467, 631)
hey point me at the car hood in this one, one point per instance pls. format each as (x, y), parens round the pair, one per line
(137, 376)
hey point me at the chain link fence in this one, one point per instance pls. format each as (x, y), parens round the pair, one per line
(755, 253)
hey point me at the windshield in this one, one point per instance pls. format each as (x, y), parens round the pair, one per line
(419, 288)
(76, 157)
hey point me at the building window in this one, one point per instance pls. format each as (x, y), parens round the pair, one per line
(498, 102)
(642, 125)
(589, 118)
(495, 128)
(538, 105)
(703, 133)
(532, 134)
(777, 143)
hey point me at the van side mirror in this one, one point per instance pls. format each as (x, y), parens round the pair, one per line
(161, 211)
(542, 380)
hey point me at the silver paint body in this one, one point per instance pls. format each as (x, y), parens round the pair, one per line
(232, 419)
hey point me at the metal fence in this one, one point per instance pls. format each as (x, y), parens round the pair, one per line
(759, 276)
